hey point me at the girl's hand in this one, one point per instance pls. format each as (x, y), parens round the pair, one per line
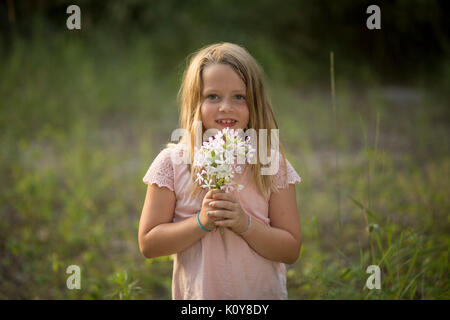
(208, 220)
(228, 212)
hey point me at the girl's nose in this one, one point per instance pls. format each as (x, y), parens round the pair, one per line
(225, 106)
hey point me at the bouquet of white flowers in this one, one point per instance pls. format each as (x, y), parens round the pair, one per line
(217, 158)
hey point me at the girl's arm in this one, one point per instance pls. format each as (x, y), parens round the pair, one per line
(281, 241)
(158, 235)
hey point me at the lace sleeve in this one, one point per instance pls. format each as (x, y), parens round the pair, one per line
(161, 171)
(292, 176)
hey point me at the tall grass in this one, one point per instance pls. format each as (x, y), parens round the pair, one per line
(337, 134)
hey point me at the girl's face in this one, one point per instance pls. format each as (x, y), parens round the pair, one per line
(223, 99)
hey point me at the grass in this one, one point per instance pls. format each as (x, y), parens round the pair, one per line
(81, 125)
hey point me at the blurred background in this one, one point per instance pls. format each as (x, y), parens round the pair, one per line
(83, 113)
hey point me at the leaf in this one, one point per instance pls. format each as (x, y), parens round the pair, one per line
(362, 207)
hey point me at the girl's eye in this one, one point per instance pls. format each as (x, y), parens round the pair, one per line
(212, 96)
(240, 97)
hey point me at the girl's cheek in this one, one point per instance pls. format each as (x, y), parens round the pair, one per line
(207, 113)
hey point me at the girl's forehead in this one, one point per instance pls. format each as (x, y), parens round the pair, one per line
(222, 76)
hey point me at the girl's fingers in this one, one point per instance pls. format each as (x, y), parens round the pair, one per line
(224, 223)
(210, 194)
(222, 204)
(223, 196)
(221, 214)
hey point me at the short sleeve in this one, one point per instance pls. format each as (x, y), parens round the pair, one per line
(161, 171)
(292, 176)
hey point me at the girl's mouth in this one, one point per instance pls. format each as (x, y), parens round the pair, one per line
(226, 123)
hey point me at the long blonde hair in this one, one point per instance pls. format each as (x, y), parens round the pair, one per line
(261, 115)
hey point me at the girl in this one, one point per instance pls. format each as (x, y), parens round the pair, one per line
(222, 87)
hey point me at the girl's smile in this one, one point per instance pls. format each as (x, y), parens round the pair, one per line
(228, 122)
(223, 98)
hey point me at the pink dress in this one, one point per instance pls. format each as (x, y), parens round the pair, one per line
(220, 266)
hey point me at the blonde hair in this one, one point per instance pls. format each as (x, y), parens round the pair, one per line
(261, 115)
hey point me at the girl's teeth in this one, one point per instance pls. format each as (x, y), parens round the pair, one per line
(227, 121)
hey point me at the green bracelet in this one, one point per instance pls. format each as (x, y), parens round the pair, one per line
(199, 223)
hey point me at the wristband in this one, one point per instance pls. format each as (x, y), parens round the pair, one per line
(200, 224)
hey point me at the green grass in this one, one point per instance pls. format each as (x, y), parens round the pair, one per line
(82, 123)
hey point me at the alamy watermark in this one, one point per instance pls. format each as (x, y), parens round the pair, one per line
(74, 20)
(265, 159)
(74, 280)
(374, 280)
(374, 20)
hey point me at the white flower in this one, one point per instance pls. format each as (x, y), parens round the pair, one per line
(217, 158)
(199, 178)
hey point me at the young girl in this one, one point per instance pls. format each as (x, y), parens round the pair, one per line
(222, 87)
